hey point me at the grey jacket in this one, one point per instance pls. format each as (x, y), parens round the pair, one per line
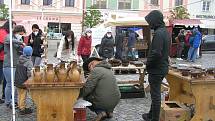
(26, 61)
(101, 88)
(17, 51)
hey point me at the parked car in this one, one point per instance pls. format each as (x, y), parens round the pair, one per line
(208, 42)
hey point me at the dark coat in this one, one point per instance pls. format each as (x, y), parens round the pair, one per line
(23, 70)
(37, 43)
(157, 60)
(106, 49)
(101, 88)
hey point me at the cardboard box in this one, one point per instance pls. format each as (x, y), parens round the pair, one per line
(174, 111)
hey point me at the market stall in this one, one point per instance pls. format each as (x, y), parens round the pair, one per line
(194, 86)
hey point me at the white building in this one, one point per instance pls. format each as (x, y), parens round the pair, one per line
(205, 11)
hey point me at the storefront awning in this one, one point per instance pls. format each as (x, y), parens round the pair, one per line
(209, 24)
(187, 22)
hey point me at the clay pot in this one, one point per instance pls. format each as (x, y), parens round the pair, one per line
(61, 73)
(185, 72)
(210, 71)
(49, 73)
(197, 73)
(37, 74)
(73, 73)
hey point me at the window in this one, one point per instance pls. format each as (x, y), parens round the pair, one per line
(47, 2)
(154, 2)
(100, 4)
(26, 2)
(124, 4)
(206, 5)
(178, 2)
(1, 1)
(69, 3)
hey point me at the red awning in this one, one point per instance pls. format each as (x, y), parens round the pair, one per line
(187, 22)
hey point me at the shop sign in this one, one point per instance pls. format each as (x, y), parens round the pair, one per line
(48, 18)
(205, 16)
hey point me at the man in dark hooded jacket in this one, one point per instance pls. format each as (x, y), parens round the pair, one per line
(157, 62)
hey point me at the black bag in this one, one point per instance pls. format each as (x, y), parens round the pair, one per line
(20, 76)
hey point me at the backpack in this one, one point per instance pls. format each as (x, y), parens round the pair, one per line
(20, 76)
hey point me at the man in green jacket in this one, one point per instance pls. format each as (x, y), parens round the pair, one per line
(100, 88)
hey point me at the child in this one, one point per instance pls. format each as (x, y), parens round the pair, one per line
(23, 72)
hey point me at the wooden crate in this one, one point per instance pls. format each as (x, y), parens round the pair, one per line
(174, 111)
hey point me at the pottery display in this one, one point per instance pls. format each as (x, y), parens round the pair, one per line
(49, 73)
(61, 73)
(37, 74)
(73, 73)
(197, 73)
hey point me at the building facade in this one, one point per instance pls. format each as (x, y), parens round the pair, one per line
(133, 8)
(205, 11)
(58, 15)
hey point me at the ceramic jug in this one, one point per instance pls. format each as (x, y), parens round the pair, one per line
(61, 73)
(49, 73)
(73, 74)
(37, 74)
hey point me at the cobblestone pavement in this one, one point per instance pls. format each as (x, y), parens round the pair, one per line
(126, 110)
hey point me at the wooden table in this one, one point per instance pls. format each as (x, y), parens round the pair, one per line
(200, 92)
(141, 71)
(54, 100)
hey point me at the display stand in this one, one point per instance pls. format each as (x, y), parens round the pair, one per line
(197, 91)
(54, 101)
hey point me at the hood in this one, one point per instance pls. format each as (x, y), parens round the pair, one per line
(155, 19)
(23, 59)
(104, 64)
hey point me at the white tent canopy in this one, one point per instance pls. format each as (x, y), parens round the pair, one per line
(128, 21)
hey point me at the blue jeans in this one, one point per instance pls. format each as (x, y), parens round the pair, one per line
(36, 60)
(192, 54)
(8, 88)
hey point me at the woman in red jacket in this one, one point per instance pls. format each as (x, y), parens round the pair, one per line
(84, 46)
(4, 30)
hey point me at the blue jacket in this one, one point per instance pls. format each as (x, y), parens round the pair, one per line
(197, 39)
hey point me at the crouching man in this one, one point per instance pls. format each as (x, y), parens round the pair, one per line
(100, 88)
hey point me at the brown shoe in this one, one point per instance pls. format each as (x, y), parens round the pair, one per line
(101, 116)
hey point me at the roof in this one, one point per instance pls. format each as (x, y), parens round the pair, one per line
(187, 22)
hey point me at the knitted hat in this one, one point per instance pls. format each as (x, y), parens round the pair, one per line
(87, 62)
(88, 30)
(27, 50)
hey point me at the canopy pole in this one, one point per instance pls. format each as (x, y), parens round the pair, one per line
(11, 61)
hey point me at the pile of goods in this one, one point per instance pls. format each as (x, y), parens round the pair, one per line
(193, 71)
(58, 73)
(115, 62)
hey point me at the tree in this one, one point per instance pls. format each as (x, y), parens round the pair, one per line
(92, 17)
(4, 13)
(179, 13)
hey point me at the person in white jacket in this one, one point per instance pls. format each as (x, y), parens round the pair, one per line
(66, 46)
